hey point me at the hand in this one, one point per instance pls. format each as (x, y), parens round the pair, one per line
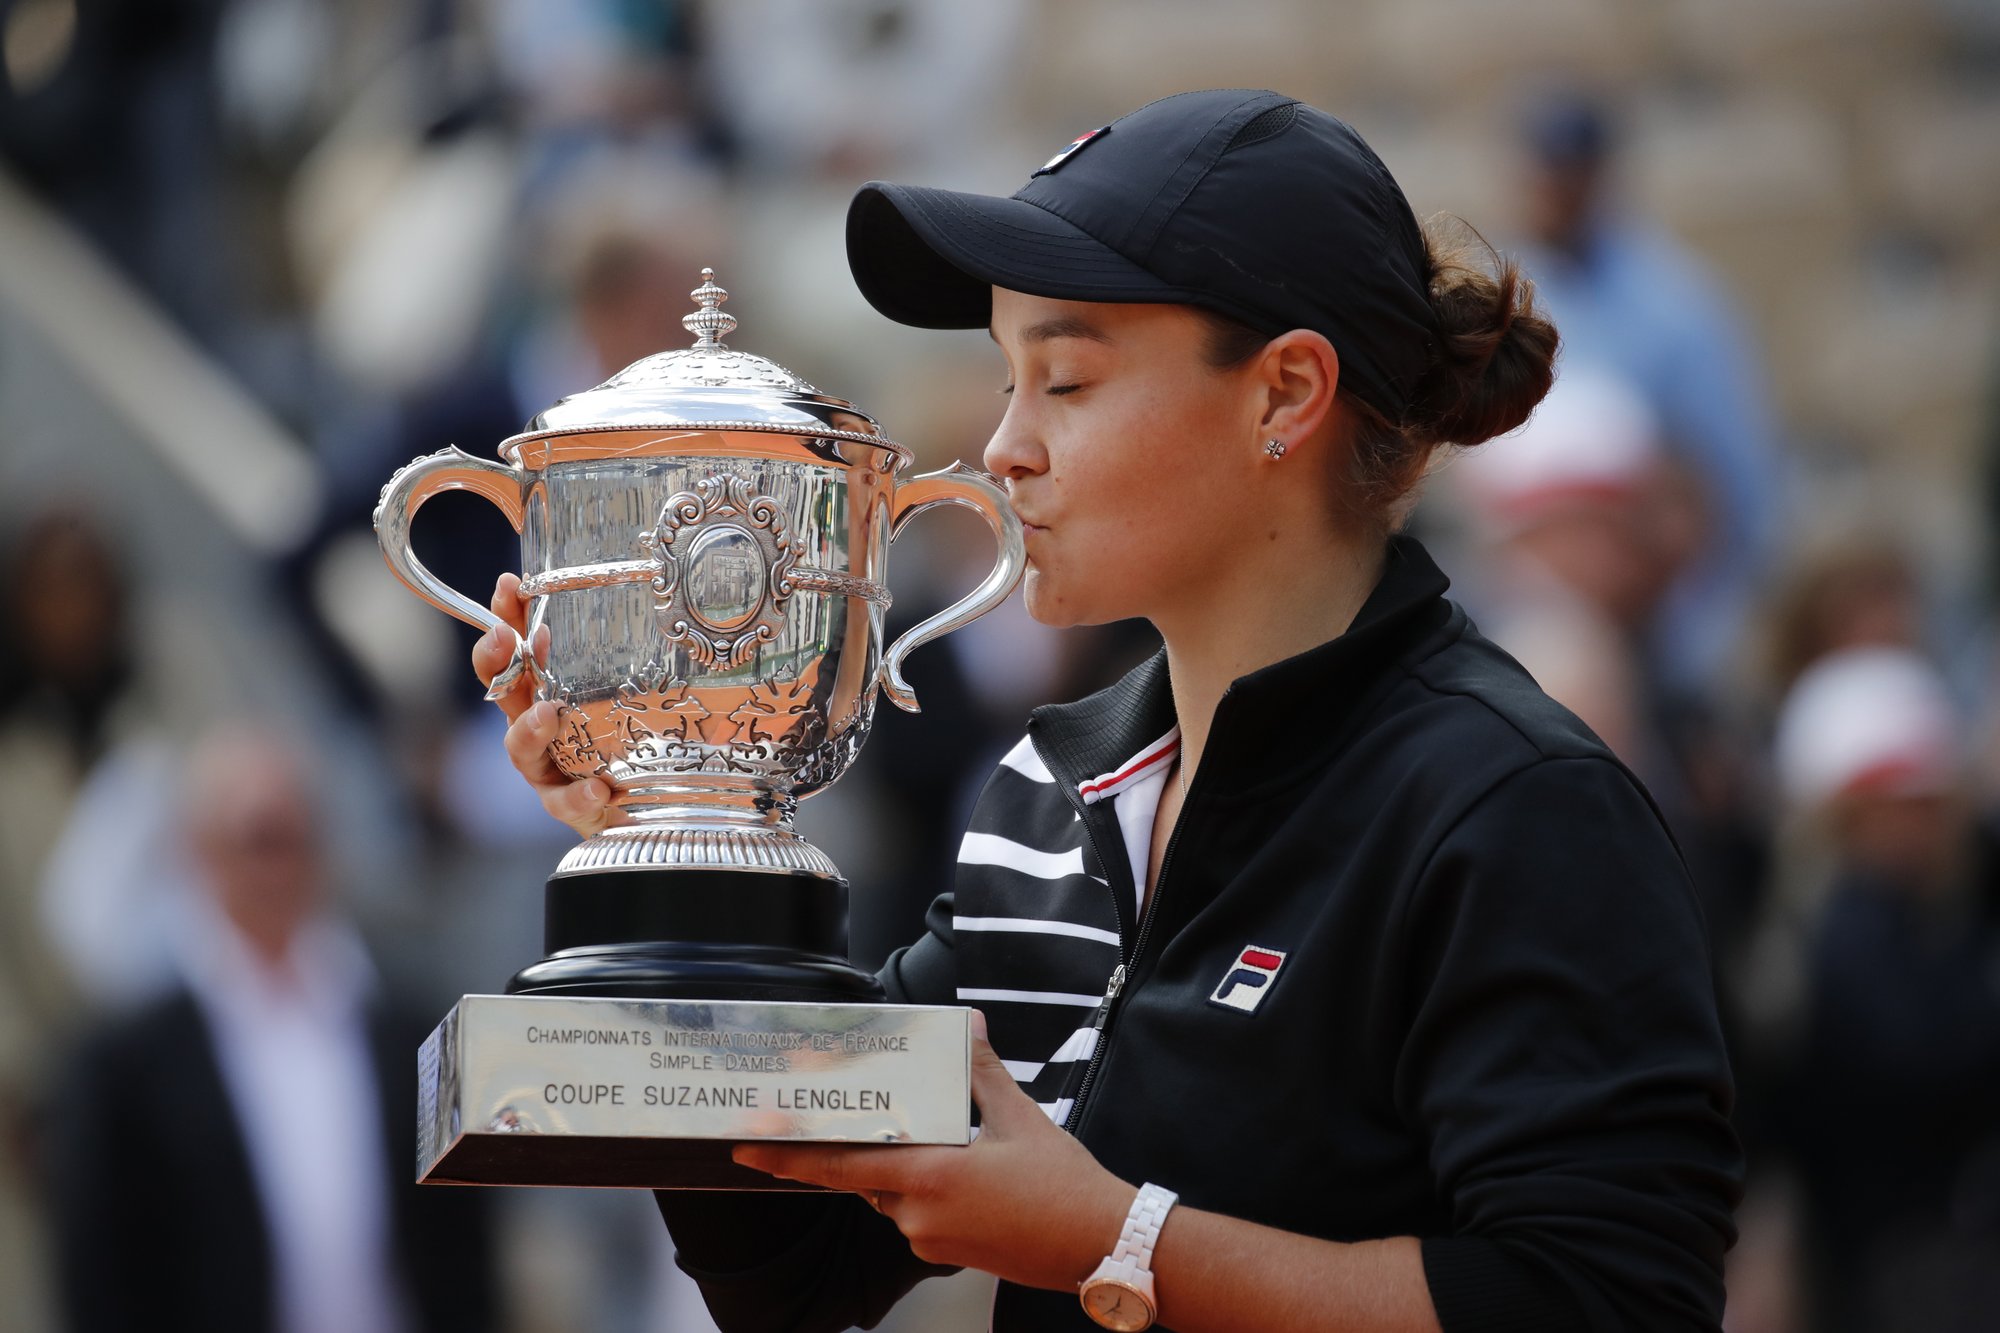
(583, 805)
(1025, 1202)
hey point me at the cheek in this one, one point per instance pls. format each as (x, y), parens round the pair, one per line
(1141, 487)
(1170, 487)
(1143, 534)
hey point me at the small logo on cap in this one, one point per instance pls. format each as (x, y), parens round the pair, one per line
(1249, 979)
(1074, 147)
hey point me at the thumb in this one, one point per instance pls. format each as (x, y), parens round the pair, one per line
(994, 1091)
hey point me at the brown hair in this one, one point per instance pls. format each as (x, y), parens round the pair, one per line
(1495, 360)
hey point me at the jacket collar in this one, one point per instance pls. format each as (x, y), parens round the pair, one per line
(1270, 722)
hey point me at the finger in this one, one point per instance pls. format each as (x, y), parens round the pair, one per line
(584, 806)
(492, 652)
(491, 655)
(999, 1098)
(495, 652)
(507, 602)
(814, 1166)
(843, 1167)
(528, 739)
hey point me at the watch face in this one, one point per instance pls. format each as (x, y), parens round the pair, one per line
(1117, 1306)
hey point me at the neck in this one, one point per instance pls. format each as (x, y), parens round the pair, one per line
(1231, 632)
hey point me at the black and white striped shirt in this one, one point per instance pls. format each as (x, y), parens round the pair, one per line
(1035, 924)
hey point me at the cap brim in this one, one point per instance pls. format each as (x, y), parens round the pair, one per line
(930, 258)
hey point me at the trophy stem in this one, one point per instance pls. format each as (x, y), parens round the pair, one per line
(697, 934)
(700, 838)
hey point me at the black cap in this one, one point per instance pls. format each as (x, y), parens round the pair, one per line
(1250, 204)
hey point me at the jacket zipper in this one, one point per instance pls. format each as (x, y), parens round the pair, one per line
(1116, 984)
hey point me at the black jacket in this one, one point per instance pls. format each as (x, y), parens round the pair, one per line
(157, 1216)
(1492, 1027)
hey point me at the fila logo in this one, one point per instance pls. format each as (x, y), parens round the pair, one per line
(1249, 979)
(1069, 151)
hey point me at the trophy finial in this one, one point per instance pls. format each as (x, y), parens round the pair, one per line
(709, 325)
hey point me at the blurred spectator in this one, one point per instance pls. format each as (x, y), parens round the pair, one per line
(1580, 504)
(1632, 302)
(233, 1156)
(591, 72)
(66, 671)
(848, 89)
(1894, 1113)
(1583, 520)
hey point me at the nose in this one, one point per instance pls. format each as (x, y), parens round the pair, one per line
(1015, 451)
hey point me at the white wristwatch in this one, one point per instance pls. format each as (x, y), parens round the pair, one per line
(1119, 1295)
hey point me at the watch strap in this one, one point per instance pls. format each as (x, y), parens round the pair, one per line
(1130, 1264)
(1142, 1227)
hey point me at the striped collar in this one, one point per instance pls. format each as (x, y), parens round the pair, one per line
(1149, 760)
(1116, 736)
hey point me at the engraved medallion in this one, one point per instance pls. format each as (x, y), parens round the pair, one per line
(722, 565)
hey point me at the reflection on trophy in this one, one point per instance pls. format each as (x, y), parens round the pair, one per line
(704, 540)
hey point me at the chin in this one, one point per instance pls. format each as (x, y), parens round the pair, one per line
(1058, 607)
(1042, 603)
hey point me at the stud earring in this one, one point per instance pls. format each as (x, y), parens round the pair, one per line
(1275, 448)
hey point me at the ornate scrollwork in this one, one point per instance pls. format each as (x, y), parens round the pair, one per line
(574, 749)
(722, 569)
(779, 721)
(658, 723)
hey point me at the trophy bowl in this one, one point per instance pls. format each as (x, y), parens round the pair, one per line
(704, 540)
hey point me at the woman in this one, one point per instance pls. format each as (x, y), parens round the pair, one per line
(1325, 920)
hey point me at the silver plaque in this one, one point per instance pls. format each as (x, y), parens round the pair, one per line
(557, 1090)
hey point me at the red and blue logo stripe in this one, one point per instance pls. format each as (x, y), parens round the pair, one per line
(1070, 150)
(1249, 979)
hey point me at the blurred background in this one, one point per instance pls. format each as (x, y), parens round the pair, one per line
(256, 830)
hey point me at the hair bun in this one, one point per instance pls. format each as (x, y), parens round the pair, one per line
(1497, 354)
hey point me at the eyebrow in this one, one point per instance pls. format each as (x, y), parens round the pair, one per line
(1061, 326)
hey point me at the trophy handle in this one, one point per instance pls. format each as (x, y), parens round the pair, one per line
(450, 469)
(955, 485)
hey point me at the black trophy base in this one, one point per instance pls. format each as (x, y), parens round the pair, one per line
(697, 935)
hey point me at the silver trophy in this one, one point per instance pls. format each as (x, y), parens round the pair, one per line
(704, 537)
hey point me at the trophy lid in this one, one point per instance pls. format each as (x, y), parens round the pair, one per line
(708, 386)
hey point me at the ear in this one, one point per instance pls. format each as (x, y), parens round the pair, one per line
(1300, 373)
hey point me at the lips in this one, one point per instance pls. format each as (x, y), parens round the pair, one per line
(1030, 523)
